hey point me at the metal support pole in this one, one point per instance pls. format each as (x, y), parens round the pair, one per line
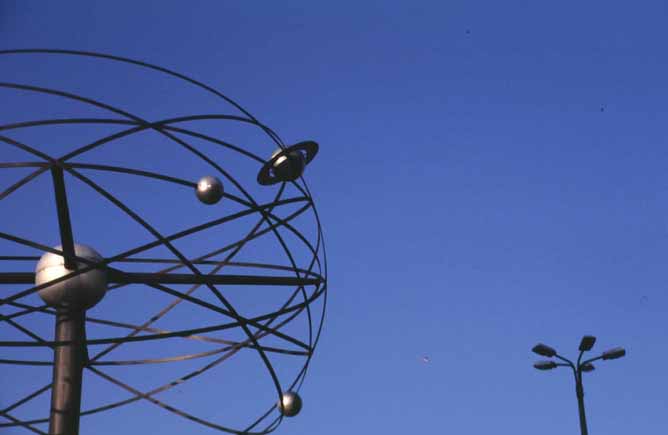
(579, 391)
(68, 364)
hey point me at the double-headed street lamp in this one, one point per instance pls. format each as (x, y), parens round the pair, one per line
(580, 367)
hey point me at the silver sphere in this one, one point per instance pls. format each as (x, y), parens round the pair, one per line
(292, 404)
(289, 166)
(209, 190)
(82, 291)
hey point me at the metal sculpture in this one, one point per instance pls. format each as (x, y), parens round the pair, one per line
(71, 278)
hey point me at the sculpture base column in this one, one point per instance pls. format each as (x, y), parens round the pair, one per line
(68, 364)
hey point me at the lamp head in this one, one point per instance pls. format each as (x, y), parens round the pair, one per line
(589, 367)
(545, 365)
(615, 353)
(544, 350)
(587, 343)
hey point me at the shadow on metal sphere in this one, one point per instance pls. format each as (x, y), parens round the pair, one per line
(292, 404)
(287, 164)
(209, 190)
(82, 291)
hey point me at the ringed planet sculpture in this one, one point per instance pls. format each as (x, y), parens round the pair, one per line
(234, 246)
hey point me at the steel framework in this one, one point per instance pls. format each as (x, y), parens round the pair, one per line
(71, 361)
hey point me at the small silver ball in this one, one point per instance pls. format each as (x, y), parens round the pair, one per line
(82, 291)
(289, 166)
(292, 404)
(209, 190)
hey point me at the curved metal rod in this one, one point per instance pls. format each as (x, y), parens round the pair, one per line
(202, 370)
(161, 287)
(22, 182)
(323, 307)
(133, 251)
(167, 386)
(172, 384)
(320, 243)
(144, 260)
(288, 303)
(139, 172)
(285, 321)
(124, 402)
(123, 325)
(253, 321)
(27, 399)
(139, 126)
(22, 165)
(112, 137)
(236, 245)
(243, 323)
(139, 121)
(64, 121)
(21, 423)
(199, 84)
(157, 360)
(68, 167)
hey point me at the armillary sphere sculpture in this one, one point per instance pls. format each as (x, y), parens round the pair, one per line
(227, 236)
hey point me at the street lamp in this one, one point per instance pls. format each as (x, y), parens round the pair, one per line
(578, 368)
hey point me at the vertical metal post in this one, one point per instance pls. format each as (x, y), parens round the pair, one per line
(64, 223)
(579, 391)
(68, 363)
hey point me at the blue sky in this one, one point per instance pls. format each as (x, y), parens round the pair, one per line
(491, 175)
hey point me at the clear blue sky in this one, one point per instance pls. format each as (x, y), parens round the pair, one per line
(492, 174)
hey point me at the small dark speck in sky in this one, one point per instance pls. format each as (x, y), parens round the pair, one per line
(602, 108)
(468, 31)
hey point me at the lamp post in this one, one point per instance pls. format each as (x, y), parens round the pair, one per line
(578, 368)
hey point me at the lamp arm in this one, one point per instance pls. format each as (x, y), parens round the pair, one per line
(591, 360)
(567, 361)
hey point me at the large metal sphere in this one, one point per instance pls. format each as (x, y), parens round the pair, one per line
(82, 291)
(209, 190)
(292, 404)
(289, 166)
